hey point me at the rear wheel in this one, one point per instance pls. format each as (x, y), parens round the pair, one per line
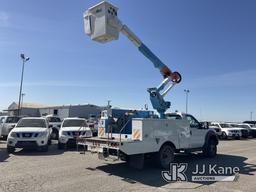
(165, 156)
(55, 134)
(10, 149)
(210, 149)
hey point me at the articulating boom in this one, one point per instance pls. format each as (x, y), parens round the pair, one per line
(103, 25)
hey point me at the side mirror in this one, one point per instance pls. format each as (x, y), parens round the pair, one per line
(204, 125)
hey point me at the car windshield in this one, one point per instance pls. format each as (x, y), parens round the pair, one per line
(74, 123)
(244, 126)
(12, 119)
(32, 123)
(225, 125)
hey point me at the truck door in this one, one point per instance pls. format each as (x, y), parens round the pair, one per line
(197, 134)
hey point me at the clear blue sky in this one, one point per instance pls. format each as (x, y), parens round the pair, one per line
(212, 43)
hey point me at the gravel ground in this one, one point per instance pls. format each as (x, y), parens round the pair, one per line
(59, 170)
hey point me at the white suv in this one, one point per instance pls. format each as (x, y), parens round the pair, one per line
(30, 132)
(71, 128)
(228, 131)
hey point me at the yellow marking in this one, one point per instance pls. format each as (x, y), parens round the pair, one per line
(101, 131)
(136, 134)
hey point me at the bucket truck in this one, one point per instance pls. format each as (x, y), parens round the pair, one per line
(133, 135)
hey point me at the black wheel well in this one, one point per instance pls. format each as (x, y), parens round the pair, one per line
(169, 143)
(213, 137)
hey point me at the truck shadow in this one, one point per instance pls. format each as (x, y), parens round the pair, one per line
(152, 176)
(33, 152)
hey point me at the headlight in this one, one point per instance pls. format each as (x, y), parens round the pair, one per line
(42, 134)
(13, 134)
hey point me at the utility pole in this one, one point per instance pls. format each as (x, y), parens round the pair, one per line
(186, 92)
(24, 60)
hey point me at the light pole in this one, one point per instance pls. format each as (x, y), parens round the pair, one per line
(24, 60)
(186, 91)
(22, 97)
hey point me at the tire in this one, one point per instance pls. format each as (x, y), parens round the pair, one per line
(165, 156)
(44, 148)
(10, 149)
(49, 142)
(210, 150)
(61, 145)
(55, 134)
(224, 135)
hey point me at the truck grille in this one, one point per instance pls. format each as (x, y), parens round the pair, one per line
(26, 135)
(76, 133)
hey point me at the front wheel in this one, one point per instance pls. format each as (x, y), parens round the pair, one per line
(165, 156)
(210, 149)
(55, 134)
(224, 135)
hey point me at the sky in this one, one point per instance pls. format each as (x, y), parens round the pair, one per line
(211, 43)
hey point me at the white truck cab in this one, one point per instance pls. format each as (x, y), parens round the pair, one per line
(161, 138)
(71, 128)
(54, 123)
(228, 131)
(30, 132)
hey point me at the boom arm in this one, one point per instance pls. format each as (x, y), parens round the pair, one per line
(102, 24)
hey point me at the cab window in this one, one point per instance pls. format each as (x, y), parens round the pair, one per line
(192, 121)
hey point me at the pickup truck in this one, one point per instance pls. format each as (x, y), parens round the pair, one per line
(7, 124)
(133, 135)
(54, 123)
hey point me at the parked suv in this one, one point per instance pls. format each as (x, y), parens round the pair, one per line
(245, 129)
(71, 128)
(227, 131)
(7, 124)
(30, 132)
(54, 123)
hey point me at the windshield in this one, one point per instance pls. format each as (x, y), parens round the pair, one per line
(225, 125)
(12, 119)
(74, 123)
(243, 126)
(173, 117)
(31, 123)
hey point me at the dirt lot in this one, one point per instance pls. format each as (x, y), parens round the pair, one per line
(59, 170)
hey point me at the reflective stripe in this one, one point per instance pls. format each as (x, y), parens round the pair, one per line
(101, 131)
(136, 134)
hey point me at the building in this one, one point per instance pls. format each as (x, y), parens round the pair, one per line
(36, 110)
